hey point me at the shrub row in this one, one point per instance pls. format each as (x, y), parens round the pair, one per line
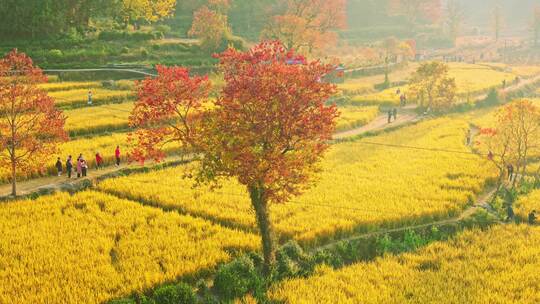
(130, 36)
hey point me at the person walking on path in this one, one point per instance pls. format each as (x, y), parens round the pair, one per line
(69, 166)
(394, 113)
(532, 217)
(389, 116)
(89, 98)
(509, 213)
(117, 155)
(510, 168)
(84, 167)
(79, 167)
(469, 137)
(99, 161)
(59, 167)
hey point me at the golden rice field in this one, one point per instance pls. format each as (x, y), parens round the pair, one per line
(69, 85)
(385, 97)
(98, 119)
(476, 79)
(92, 247)
(79, 97)
(528, 203)
(470, 79)
(378, 186)
(496, 266)
(354, 117)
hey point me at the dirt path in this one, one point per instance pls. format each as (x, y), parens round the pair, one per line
(405, 115)
(62, 182)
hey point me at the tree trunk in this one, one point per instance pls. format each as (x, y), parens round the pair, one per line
(13, 178)
(260, 204)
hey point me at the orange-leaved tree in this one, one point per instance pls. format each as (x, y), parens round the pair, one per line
(515, 139)
(210, 26)
(30, 126)
(307, 25)
(268, 129)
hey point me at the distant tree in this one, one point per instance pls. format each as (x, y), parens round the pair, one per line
(210, 27)
(431, 83)
(455, 14)
(268, 129)
(416, 10)
(516, 136)
(30, 126)
(49, 18)
(536, 25)
(307, 25)
(391, 47)
(147, 10)
(497, 21)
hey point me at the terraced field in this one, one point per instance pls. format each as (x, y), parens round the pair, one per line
(93, 247)
(495, 266)
(378, 186)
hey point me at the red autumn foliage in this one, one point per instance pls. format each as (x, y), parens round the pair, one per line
(268, 129)
(30, 125)
(307, 24)
(166, 111)
(210, 27)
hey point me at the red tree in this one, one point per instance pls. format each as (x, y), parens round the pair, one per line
(268, 129)
(30, 125)
(307, 24)
(210, 27)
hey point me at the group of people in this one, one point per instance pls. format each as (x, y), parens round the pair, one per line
(392, 114)
(510, 215)
(402, 98)
(81, 165)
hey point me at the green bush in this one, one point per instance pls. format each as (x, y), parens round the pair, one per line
(292, 261)
(122, 35)
(158, 35)
(144, 52)
(492, 98)
(165, 29)
(236, 278)
(175, 294)
(124, 50)
(55, 54)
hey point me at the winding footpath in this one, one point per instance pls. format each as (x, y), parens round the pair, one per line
(406, 116)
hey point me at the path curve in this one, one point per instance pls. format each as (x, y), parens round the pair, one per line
(405, 115)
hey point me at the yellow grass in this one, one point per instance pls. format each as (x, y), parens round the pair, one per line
(98, 118)
(497, 266)
(528, 203)
(69, 85)
(471, 80)
(354, 117)
(92, 247)
(80, 97)
(361, 186)
(385, 97)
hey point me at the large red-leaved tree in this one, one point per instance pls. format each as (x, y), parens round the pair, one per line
(268, 129)
(30, 126)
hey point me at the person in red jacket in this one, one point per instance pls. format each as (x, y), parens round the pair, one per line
(117, 155)
(99, 161)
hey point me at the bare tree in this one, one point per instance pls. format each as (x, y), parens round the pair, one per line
(497, 20)
(455, 15)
